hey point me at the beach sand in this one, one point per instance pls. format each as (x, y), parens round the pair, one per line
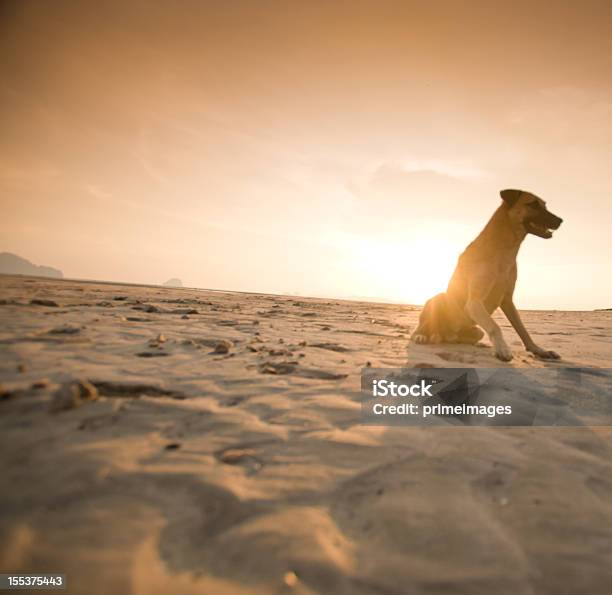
(217, 448)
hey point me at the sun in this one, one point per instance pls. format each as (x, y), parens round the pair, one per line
(426, 265)
(408, 270)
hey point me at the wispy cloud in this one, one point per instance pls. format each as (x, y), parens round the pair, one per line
(97, 192)
(459, 169)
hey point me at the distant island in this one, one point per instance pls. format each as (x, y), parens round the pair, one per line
(174, 282)
(11, 264)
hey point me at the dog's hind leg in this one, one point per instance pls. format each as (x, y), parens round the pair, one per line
(470, 335)
(431, 321)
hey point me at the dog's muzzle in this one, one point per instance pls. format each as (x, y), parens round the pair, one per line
(542, 224)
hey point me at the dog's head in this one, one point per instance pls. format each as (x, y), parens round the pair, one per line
(530, 211)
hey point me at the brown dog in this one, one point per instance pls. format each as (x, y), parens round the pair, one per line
(485, 277)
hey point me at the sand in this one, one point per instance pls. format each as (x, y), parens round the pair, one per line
(214, 446)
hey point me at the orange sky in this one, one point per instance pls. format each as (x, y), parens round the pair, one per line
(325, 148)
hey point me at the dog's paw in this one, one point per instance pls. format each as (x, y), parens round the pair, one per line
(420, 339)
(544, 353)
(503, 353)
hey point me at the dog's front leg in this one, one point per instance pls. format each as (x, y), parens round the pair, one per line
(476, 310)
(512, 314)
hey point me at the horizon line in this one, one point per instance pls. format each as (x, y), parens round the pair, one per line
(366, 299)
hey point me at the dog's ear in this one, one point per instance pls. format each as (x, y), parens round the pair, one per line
(510, 196)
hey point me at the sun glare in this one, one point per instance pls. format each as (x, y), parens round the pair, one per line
(409, 270)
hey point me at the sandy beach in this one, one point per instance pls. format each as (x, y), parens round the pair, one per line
(184, 411)
(214, 446)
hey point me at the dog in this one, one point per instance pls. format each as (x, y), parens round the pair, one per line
(485, 277)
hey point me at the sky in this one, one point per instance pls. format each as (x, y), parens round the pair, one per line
(325, 148)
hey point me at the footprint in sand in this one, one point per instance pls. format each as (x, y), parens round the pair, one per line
(129, 389)
(243, 457)
(331, 347)
(152, 354)
(455, 357)
(295, 369)
(495, 483)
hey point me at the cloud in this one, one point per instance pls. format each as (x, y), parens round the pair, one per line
(97, 192)
(461, 170)
(403, 193)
